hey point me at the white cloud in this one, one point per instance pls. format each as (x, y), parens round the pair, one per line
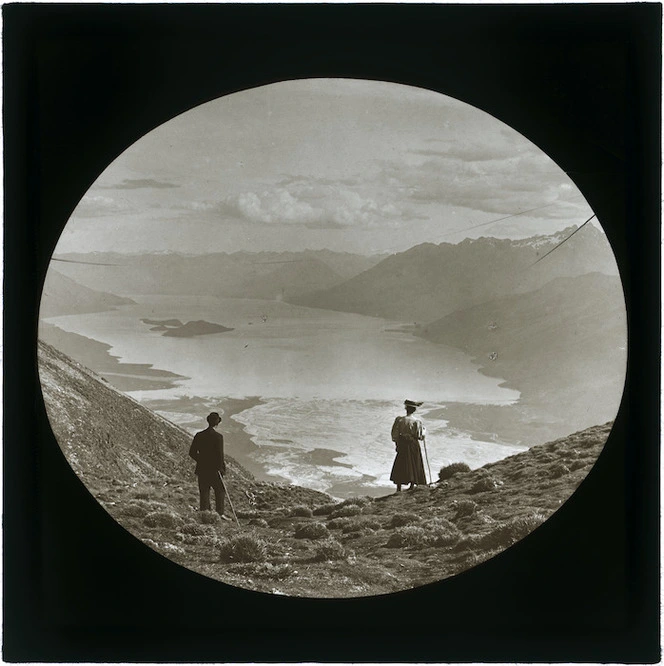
(492, 179)
(316, 204)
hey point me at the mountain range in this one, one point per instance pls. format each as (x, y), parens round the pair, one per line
(429, 281)
(563, 346)
(63, 296)
(269, 275)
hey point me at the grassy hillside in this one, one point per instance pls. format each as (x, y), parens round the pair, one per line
(563, 346)
(292, 540)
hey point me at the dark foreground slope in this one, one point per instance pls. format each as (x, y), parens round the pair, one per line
(293, 540)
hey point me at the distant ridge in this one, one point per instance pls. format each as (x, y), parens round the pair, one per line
(429, 281)
(63, 296)
(270, 275)
(563, 346)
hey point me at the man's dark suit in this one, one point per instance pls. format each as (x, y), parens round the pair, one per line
(207, 450)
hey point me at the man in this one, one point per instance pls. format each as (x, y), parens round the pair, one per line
(207, 450)
(407, 431)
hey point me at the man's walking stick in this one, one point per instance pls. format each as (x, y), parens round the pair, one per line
(426, 455)
(229, 497)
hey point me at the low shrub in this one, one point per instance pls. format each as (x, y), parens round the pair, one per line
(449, 471)
(346, 510)
(510, 532)
(441, 532)
(483, 484)
(576, 464)
(209, 517)
(363, 500)
(197, 539)
(259, 522)
(338, 523)
(195, 529)
(360, 523)
(162, 519)
(409, 536)
(170, 549)
(142, 495)
(465, 508)
(303, 511)
(268, 570)
(247, 514)
(134, 511)
(558, 469)
(324, 509)
(150, 505)
(243, 548)
(401, 519)
(330, 549)
(311, 531)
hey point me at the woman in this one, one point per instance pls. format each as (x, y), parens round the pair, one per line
(407, 432)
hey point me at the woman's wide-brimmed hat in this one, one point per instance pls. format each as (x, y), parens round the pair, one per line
(411, 403)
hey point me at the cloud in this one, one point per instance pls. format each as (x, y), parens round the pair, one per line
(315, 204)
(494, 179)
(97, 206)
(140, 183)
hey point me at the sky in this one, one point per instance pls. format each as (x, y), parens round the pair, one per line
(349, 165)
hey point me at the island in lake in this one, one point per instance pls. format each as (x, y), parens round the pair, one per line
(175, 328)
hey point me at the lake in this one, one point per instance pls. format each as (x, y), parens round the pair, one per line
(331, 383)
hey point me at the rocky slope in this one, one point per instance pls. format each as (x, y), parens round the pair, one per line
(292, 540)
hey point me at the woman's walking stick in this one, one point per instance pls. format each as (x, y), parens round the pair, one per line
(229, 497)
(426, 455)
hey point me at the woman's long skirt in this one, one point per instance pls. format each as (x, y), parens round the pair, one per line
(408, 466)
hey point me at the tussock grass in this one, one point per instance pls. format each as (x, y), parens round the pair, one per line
(162, 519)
(247, 514)
(360, 523)
(338, 523)
(197, 539)
(404, 518)
(465, 508)
(449, 471)
(510, 532)
(301, 510)
(360, 500)
(330, 549)
(483, 484)
(258, 522)
(347, 510)
(209, 517)
(312, 531)
(558, 469)
(134, 511)
(325, 509)
(408, 537)
(441, 532)
(196, 529)
(243, 548)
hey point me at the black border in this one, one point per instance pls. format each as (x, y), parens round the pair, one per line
(82, 82)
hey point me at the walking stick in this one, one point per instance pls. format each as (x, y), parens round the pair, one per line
(426, 455)
(229, 497)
